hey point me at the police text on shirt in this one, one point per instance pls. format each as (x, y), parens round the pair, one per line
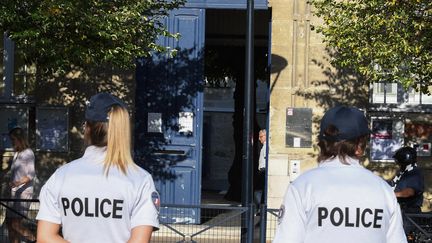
(104, 207)
(341, 217)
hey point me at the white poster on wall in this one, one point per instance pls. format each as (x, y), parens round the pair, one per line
(186, 122)
(154, 122)
(386, 138)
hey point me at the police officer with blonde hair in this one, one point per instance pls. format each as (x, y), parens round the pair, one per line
(340, 201)
(102, 196)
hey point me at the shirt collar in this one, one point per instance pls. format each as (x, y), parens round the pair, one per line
(336, 162)
(95, 152)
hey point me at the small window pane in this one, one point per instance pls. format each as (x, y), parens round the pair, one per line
(413, 96)
(384, 93)
(24, 78)
(427, 99)
(392, 93)
(2, 84)
(378, 93)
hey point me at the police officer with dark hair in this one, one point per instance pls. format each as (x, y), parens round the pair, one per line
(408, 184)
(340, 201)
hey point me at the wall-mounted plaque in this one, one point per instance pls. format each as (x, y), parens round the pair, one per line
(154, 122)
(52, 129)
(186, 122)
(386, 137)
(298, 128)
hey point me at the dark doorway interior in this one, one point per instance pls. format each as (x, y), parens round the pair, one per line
(223, 99)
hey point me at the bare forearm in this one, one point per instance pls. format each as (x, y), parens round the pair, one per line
(48, 232)
(52, 239)
(23, 180)
(407, 192)
(141, 234)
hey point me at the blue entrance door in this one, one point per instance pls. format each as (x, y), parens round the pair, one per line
(168, 127)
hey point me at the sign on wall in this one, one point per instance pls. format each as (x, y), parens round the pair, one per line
(419, 134)
(386, 138)
(12, 117)
(52, 129)
(154, 122)
(298, 128)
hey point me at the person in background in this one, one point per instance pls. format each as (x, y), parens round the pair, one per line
(102, 196)
(21, 183)
(258, 193)
(408, 184)
(340, 201)
(263, 152)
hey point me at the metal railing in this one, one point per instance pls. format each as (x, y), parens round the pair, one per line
(213, 224)
(216, 224)
(418, 227)
(24, 211)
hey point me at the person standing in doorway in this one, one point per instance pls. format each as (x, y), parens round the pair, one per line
(21, 183)
(258, 194)
(340, 201)
(102, 196)
(263, 152)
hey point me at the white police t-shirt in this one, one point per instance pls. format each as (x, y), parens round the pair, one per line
(93, 207)
(339, 203)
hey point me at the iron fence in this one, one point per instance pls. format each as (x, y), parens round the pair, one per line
(24, 213)
(215, 224)
(209, 224)
(218, 224)
(418, 227)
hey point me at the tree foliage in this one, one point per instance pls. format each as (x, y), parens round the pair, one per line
(381, 40)
(58, 34)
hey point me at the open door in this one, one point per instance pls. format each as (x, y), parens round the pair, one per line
(168, 119)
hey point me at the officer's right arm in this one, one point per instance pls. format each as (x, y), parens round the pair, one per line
(47, 232)
(145, 210)
(292, 219)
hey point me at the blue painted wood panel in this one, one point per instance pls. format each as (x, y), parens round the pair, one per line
(226, 4)
(166, 144)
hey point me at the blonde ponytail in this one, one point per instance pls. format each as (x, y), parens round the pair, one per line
(119, 140)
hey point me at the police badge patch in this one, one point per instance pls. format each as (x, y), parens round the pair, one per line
(281, 213)
(156, 200)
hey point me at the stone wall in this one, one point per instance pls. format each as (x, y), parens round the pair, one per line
(71, 91)
(302, 77)
(294, 47)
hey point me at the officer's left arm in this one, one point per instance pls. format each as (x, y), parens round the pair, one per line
(145, 211)
(141, 234)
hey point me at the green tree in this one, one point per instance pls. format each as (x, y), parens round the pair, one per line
(380, 40)
(60, 34)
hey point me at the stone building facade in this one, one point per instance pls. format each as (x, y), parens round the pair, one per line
(301, 79)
